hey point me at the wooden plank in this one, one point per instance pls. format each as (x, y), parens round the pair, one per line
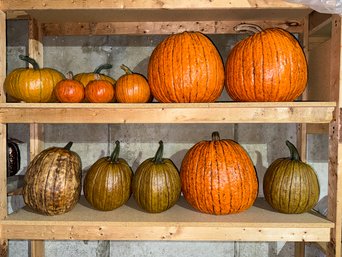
(35, 48)
(181, 222)
(143, 4)
(166, 113)
(37, 248)
(3, 144)
(3, 248)
(158, 27)
(335, 142)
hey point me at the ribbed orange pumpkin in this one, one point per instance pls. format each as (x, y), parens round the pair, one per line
(32, 85)
(69, 90)
(218, 177)
(99, 91)
(186, 68)
(132, 88)
(267, 66)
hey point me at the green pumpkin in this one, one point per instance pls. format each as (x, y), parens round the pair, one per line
(156, 183)
(290, 185)
(107, 184)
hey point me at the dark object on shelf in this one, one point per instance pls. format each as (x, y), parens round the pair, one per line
(13, 157)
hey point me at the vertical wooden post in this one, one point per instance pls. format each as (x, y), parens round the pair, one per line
(302, 128)
(36, 131)
(335, 142)
(3, 144)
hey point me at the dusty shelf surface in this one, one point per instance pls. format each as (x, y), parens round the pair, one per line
(224, 112)
(181, 222)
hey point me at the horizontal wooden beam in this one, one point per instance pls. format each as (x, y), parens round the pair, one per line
(229, 112)
(129, 28)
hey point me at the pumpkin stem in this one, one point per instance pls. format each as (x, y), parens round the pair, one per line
(294, 155)
(69, 75)
(68, 146)
(115, 154)
(215, 136)
(126, 69)
(158, 158)
(30, 61)
(102, 67)
(247, 28)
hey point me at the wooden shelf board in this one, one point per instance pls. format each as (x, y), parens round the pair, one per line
(148, 10)
(181, 222)
(225, 112)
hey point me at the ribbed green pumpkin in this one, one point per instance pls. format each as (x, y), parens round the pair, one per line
(107, 184)
(156, 183)
(52, 182)
(32, 85)
(290, 185)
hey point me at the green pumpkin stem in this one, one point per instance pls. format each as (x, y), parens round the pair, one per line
(30, 61)
(115, 154)
(105, 66)
(126, 69)
(158, 158)
(294, 155)
(215, 136)
(68, 146)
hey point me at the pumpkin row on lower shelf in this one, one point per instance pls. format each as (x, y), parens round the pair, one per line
(215, 177)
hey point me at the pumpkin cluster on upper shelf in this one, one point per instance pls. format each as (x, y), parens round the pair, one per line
(216, 177)
(186, 67)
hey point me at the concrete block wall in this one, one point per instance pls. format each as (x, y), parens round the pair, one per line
(264, 142)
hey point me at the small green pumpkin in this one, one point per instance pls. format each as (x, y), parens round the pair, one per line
(290, 185)
(156, 183)
(107, 184)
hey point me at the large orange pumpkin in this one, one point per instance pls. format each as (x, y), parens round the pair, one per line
(186, 67)
(267, 66)
(218, 177)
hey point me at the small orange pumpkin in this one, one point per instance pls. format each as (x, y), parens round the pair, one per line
(218, 177)
(267, 66)
(99, 91)
(186, 68)
(132, 88)
(69, 90)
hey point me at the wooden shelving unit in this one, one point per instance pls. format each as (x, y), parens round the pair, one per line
(320, 107)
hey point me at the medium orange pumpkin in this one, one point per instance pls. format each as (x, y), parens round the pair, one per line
(218, 177)
(69, 90)
(86, 77)
(32, 85)
(186, 68)
(132, 88)
(99, 91)
(267, 66)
